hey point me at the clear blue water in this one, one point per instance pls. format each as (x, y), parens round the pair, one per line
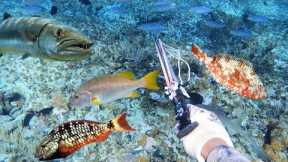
(34, 92)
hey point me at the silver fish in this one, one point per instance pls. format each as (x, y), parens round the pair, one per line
(201, 9)
(153, 27)
(242, 33)
(257, 18)
(43, 38)
(215, 24)
(163, 6)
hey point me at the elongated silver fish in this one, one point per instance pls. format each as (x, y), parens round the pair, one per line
(43, 38)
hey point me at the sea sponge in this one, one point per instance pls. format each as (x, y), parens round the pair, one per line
(142, 159)
(142, 140)
(276, 148)
(58, 101)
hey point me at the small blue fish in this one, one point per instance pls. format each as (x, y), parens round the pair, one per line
(33, 2)
(116, 9)
(53, 10)
(34, 9)
(243, 33)
(257, 18)
(201, 9)
(215, 24)
(163, 6)
(154, 27)
(85, 2)
(124, 1)
(113, 9)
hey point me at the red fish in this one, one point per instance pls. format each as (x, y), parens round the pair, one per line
(71, 136)
(234, 73)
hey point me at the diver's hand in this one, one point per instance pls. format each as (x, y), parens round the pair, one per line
(209, 133)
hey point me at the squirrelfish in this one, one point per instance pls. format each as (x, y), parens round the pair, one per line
(234, 73)
(44, 38)
(109, 88)
(69, 137)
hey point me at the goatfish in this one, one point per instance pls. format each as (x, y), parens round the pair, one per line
(109, 88)
(69, 137)
(234, 73)
(43, 38)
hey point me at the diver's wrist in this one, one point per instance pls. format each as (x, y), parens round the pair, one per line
(211, 145)
(222, 153)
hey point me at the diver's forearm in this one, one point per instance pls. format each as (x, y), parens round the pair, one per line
(225, 154)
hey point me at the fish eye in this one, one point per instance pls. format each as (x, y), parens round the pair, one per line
(59, 33)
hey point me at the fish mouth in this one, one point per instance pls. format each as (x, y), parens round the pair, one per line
(74, 46)
(83, 46)
(73, 50)
(40, 152)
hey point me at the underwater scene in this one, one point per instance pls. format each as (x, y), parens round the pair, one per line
(84, 80)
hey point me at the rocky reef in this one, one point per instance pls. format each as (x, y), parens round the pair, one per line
(34, 93)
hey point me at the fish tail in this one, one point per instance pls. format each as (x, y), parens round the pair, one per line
(198, 53)
(150, 80)
(120, 123)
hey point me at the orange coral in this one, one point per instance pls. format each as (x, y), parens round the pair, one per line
(234, 73)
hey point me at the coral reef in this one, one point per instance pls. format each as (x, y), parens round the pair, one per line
(277, 148)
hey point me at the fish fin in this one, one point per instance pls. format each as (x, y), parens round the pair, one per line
(96, 101)
(44, 61)
(198, 53)
(6, 15)
(134, 94)
(53, 10)
(243, 60)
(120, 123)
(26, 55)
(65, 149)
(29, 36)
(36, 16)
(237, 62)
(103, 136)
(150, 80)
(109, 106)
(126, 74)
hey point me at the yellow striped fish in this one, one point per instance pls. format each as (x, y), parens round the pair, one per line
(109, 88)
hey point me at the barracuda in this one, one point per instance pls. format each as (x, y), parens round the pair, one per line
(43, 38)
